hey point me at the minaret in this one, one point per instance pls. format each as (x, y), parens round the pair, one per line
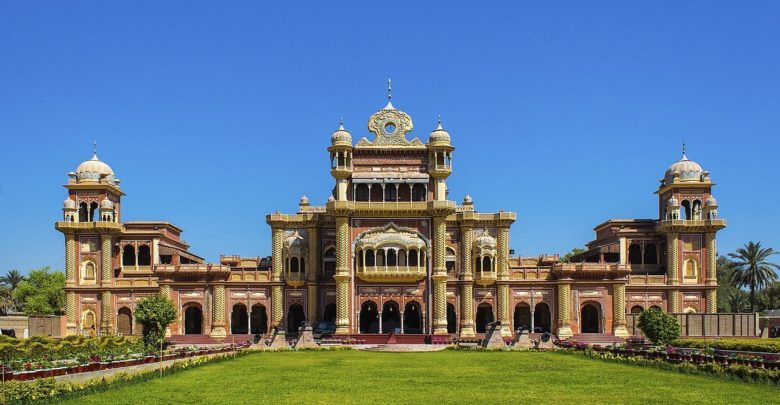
(689, 220)
(91, 222)
(440, 160)
(341, 160)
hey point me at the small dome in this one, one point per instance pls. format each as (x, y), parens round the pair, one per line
(95, 169)
(341, 137)
(331, 199)
(106, 203)
(685, 170)
(439, 135)
(467, 199)
(294, 240)
(711, 202)
(484, 239)
(672, 202)
(69, 204)
(304, 200)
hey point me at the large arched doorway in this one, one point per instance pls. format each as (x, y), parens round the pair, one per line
(193, 320)
(452, 319)
(589, 320)
(124, 321)
(412, 318)
(330, 313)
(522, 317)
(391, 317)
(542, 321)
(369, 317)
(239, 320)
(484, 317)
(259, 320)
(295, 318)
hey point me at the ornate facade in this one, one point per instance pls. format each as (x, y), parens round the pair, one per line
(389, 251)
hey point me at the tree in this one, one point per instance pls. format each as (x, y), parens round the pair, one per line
(725, 269)
(155, 313)
(752, 269)
(660, 328)
(6, 301)
(769, 297)
(738, 301)
(42, 293)
(567, 257)
(12, 279)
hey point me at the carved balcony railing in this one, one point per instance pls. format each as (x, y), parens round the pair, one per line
(485, 277)
(391, 273)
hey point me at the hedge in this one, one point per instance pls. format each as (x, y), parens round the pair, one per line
(737, 344)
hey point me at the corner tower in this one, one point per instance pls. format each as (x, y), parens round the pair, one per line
(688, 217)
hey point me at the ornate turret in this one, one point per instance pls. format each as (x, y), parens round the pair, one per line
(341, 160)
(440, 159)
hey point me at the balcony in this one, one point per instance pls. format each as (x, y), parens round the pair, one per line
(485, 278)
(691, 225)
(89, 227)
(391, 273)
(294, 279)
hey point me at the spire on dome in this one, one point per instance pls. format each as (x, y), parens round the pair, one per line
(389, 105)
(439, 127)
(94, 151)
(341, 123)
(683, 151)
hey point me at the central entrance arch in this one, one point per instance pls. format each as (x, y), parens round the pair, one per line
(369, 318)
(391, 317)
(522, 317)
(484, 317)
(412, 318)
(295, 317)
(542, 317)
(239, 320)
(259, 320)
(589, 320)
(193, 320)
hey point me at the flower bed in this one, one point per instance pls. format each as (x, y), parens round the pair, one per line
(737, 344)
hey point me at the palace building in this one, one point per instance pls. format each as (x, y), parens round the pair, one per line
(389, 251)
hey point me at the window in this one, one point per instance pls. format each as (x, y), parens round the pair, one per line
(634, 254)
(391, 192)
(128, 255)
(89, 271)
(361, 192)
(144, 256)
(418, 192)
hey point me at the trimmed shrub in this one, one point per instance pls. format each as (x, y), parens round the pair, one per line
(746, 344)
(155, 313)
(660, 328)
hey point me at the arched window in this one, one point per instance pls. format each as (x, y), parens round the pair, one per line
(685, 210)
(651, 255)
(361, 192)
(696, 209)
(634, 254)
(83, 212)
(380, 257)
(418, 192)
(303, 265)
(144, 256)
(124, 321)
(449, 261)
(128, 255)
(691, 270)
(392, 259)
(294, 265)
(329, 262)
(478, 264)
(487, 263)
(391, 192)
(370, 261)
(412, 257)
(89, 271)
(402, 257)
(93, 212)
(637, 309)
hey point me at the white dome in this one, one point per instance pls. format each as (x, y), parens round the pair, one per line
(484, 240)
(341, 137)
(304, 200)
(711, 202)
(685, 170)
(95, 169)
(69, 204)
(467, 199)
(106, 203)
(672, 202)
(439, 136)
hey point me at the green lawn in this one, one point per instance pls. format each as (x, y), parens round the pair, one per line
(440, 378)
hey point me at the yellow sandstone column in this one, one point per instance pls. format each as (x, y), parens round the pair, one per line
(502, 284)
(107, 274)
(712, 273)
(71, 306)
(467, 288)
(218, 311)
(439, 276)
(342, 275)
(619, 310)
(165, 291)
(277, 266)
(673, 275)
(564, 311)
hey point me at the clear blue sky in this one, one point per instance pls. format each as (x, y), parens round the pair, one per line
(214, 116)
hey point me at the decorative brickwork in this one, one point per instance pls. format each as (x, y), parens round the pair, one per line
(502, 256)
(673, 301)
(218, 311)
(564, 311)
(619, 310)
(70, 259)
(277, 305)
(106, 313)
(277, 239)
(673, 259)
(107, 270)
(342, 275)
(712, 301)
(712, 259)
(465, 251)
(71, 308)
(467, 311)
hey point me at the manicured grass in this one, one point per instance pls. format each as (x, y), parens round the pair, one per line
(341, 377)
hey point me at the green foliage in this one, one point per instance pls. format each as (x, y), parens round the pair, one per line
(725, 269)
(769, 297)
(748, 345)
(660, 328)
(43, 293)
(739, 301)
(567, 257)
(752, 269)
(155, 313)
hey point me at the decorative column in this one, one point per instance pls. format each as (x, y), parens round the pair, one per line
(342, 275)
(712, 272)
(312, 268)
(277, 266)
(467, 288)
(502, 284)
(619, 310)
(71, 307)
(218, 311)
(165, 291)
(564, 311)
(673, 275)
(439, 276)
(106, 276)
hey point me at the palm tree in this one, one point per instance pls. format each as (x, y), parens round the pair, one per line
(752, 269)
(12, 279)
(738, 302)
